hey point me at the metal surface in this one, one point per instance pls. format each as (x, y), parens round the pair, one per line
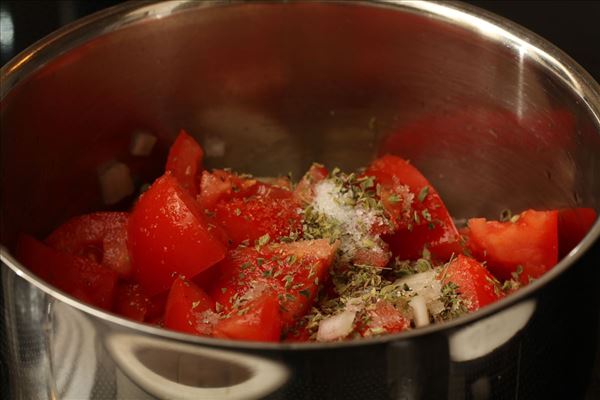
(492, 114)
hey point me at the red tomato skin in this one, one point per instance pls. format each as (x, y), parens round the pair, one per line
(156, 307)
(80, 277)
(261, 322)
(248, 219)
(246, 269)
(412, 234)
(477, 286)
(131, 302)
(185, 303)
(101, 236)
(185, 161)
(573, 225)
(169, 236)
(531, 242)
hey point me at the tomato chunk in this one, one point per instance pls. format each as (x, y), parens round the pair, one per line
(475, 283)
(80, 277)
(292, 270)
(259, 320)
(573, 225)
(185, 307)
(384, 318)
(222, 186)
(169, 236)
(131, 302)
(305, 190)
(185, 161)
(101, 236)
(248, 219)
(530, 243)
(417, 211)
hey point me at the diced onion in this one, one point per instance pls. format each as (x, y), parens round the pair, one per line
(435, 307)
(424, 284)
(142, 143)
(336, 327)
(115, 182)
(421, 315)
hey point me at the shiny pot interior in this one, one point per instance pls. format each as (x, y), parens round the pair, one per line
(495, 117)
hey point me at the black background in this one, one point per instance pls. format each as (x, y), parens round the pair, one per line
(574, 26)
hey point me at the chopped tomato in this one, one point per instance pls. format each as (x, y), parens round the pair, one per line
(304, 191)
(292, 270)
(131, 302)
(169, 236)
(417, 211)
(185, 161)
(530, 243)
(185, 307)
(378, 256)
(281, 182)
(214, 186)
(220, 185)
(156, 307)
(247, 219)
(573, 225)
(475, 284)
(258, 320)
(101, 236)
(384, 318)
(80, 277)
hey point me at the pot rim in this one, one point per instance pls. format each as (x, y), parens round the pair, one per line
(466, 16)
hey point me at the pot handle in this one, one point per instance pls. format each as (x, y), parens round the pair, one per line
(171, 370)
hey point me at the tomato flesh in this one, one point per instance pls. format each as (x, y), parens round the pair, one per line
(185, 161)
(258, 321)
(530, 243)
(305, 190)
(223, 186)
(131, 302)
(248, 219)
(168, 236)
(101, 236)
(420, 217)
(475, 283)
(385, 318)
(185, 304)
(292, 270)
(80, 277)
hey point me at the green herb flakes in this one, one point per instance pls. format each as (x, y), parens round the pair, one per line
(264, 239)
(423, 194)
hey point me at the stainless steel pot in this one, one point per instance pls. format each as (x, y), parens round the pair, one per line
(495, 116)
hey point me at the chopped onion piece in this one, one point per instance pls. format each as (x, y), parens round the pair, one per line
(424, 284)
(142, 143)
(421, 315)
(115, 182)
(435, 307)
(336, 327)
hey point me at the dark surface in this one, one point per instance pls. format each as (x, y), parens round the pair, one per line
(571, 25)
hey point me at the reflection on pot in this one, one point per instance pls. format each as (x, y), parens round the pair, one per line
(167, 369)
